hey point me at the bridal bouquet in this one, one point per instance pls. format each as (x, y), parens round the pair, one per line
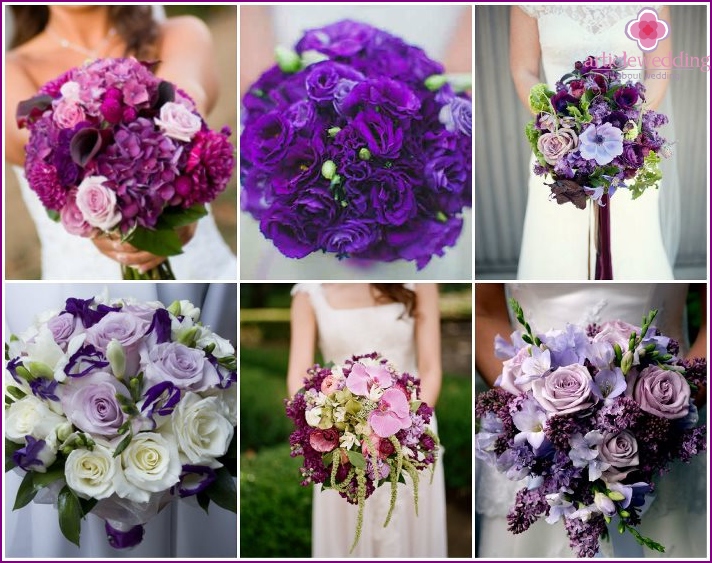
(356, 144)
(115, 150)
(360, 425)
(594, 136)
(119, 408)
(587, 417)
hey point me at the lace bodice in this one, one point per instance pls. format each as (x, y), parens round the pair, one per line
(593, 18)
(346, 332)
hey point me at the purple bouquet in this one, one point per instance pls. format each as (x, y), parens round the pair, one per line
(360, 425)
(589, 417)
(116, 150)
(594, 136)
(357, 144)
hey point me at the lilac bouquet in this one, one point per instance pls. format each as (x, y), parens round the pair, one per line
(360, 425)
(593, 136)
(118, 408)
(587, 418)
(357, 144)
(115, 150)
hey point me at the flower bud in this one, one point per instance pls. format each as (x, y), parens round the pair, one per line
(615, 495)
(627, 362)
(40, 369)
(435, 82)
(333, 131)
(64, 431)
(364, 154)
(312, 56)
(288, 60)
(328, 169)
(117, 358)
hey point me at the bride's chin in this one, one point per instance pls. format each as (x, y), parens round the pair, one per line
(60, 8)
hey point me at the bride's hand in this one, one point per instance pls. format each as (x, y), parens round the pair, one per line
(129, 255)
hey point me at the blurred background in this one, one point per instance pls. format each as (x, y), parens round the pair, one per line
(22, 250)
(275, 509)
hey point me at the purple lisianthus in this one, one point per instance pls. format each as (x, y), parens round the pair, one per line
(392, 197)
(340, 39)
(601, 143)
(36, 455)
(287, 232)
(90, 403)
(382, 137)
(266, 140)
(324, 77)
(350, 238)
(391, 96)
(457, 116)
(195, 479)
(187, 368)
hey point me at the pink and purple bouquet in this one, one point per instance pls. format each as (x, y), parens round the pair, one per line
(356, 144)
(115, 150)
(361, 425)
(588, 418)
(118, 408)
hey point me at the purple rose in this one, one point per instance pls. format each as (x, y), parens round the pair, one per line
(626, 97)
(324, 77)
(615, 332)
(662, 392)
(553, 146)
(565, 390)
(64, 326)
(340, 39)
(620, 450)
(127, 329)
(266, 141)
(186, 368)
(90, 403)
(67, 114)
(382, 137)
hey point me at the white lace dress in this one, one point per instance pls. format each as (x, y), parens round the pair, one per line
(69, 257)
(429, 27)
(557, 239)
(342, 334)
(182, 529)
(677, 516)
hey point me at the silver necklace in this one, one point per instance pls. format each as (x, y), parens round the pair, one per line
(93, 53)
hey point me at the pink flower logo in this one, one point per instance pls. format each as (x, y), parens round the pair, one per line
(647, 30)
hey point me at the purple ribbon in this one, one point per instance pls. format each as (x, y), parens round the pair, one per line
(604, 265)
(121, 540)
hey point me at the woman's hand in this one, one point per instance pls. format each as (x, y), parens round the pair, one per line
(128, 255)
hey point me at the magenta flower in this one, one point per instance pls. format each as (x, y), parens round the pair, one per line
(363, 378)
(601, 143)
(391, 415)
(647, 30)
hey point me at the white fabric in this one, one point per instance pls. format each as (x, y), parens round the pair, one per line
(70, 257)
(180, 530)
(388, 330)
(557, 242)
(677, 517)
(429, 27)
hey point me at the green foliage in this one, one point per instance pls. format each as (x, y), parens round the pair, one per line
(648, 176)
(275, 509)
(533, 135)
(454, 414)
(540, 98)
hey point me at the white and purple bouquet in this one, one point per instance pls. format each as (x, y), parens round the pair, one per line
(360, 425)
(118, 408)
(115, 150)
(356, 144)
(588, 418)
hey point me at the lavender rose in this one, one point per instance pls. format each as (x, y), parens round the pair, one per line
(511, 370)
(90, 403)
(555, 145)
(177, 122)
(72, 217)
(98, 203)
(186, 368)
(566, 390)
(127, 329)
(616, 332)
(662, 392)
(619, 450)
(63, 327)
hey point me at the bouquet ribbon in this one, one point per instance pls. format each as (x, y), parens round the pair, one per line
(604, 266)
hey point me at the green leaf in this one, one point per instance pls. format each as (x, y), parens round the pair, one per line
(203, 501)
(87, 505)
(52, 214)
(159, 242)
(54, 473)
(123, 444)
(10, 448)
(70, 515)
(173, 217)
(356, 459)
(26, 492)
(223, 491)
(540, 99)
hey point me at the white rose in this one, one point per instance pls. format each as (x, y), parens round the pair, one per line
(223, 347)
(227, 401)
(201, 430)
(70, 91)
(91, 474)
(97, 203)
(151, 465)
(32, 416)
(177, 122)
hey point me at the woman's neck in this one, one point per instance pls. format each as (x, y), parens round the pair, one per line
(87, 27)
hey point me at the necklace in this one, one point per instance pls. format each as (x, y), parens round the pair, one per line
(93, 53)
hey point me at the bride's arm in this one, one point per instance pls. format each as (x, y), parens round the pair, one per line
(302, 341)
(655, 88)
(524, 52)
(491, 319)
(458, 57)
(19, 87)
(257, 44)
(427, 341)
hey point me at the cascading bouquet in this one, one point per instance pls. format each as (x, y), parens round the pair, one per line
(119, 408)
(115, 150)
(588, 417)
(359, 426)
(594, 136)
(357, 144)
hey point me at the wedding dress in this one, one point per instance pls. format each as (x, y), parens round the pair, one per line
(70, 257)
(557, 239)
(429, 27)
(342, 334)
(182, 529)
(677, 516)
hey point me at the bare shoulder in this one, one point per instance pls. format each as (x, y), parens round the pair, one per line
(17, 74)
(185, 29)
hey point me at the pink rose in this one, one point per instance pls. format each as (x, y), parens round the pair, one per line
(616, 332)
(97, 203)
(330, 385)
(324, 440)
(178, 122)
(662, 392)
(555, 145)
(67, 114)
(73, 219)
(565, 390)
(511, 370)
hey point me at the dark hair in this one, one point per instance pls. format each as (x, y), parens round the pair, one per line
(396, 292)
(134, 24)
